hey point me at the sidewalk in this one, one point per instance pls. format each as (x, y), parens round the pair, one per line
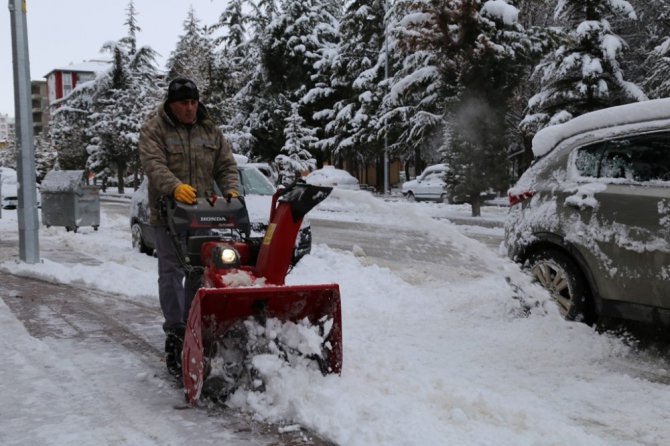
(9, 250)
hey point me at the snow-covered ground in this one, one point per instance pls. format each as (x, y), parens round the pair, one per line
(449, 361)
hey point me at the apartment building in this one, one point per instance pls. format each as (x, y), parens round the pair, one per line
(62, 80)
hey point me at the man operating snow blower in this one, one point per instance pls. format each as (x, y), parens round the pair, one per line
(183, 154)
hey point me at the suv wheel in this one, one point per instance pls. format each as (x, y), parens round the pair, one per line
(410, 197)
(138, 241)
(561, 276)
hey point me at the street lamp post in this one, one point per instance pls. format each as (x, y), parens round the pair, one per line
(27, 191)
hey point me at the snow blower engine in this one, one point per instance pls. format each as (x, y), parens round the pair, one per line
(243, 307)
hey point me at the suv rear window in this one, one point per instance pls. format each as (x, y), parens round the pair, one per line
(639, 158)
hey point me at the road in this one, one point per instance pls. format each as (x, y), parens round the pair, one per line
(413, 255)
(344, 235)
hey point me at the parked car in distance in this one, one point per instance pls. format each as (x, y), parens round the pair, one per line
(333, 177)
(268, 170)
(257, 192)
(9, 189)
(590, 218)
(428, 186)
(112, 181)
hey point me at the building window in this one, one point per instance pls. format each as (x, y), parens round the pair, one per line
(85, 77)
(51, 87)
(67, 84)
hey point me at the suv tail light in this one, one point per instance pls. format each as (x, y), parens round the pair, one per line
(518, 197)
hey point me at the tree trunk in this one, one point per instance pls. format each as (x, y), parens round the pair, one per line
(120, 172)
(476, 205)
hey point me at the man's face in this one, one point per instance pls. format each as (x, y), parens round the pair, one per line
(185, 111)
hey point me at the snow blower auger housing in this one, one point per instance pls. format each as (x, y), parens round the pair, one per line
(243, 282)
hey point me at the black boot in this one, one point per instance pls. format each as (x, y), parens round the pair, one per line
(174, 342)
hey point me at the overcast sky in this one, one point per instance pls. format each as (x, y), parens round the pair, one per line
(72, 31)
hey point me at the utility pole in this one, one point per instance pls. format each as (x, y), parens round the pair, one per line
(386, 78)
(27, 194)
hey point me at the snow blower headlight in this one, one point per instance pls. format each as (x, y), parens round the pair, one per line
(226, 257)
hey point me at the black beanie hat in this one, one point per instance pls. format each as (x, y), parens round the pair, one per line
(182, 88)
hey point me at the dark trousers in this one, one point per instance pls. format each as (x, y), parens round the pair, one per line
(175, 288)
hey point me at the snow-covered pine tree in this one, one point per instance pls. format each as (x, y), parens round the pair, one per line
(244, 108)
(536, 17)
(236, 64)
(193, 58)
(122, 99)
(491, 52)
(292, 47)
(413, 109)
(295, 42)
(45, 156)
(658, 81)
(534, 12)
(235, 21)
(584, 74)
(67, 127)
(658, 61)
(265, 12)
(346, 102)
(295, 156)
(8, 153)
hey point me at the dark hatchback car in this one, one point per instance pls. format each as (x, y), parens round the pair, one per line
(591, 217)
(257, 191)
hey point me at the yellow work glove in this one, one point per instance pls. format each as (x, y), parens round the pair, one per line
(185, 193)
(230, 194)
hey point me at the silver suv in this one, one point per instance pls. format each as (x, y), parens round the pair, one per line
(591, 217)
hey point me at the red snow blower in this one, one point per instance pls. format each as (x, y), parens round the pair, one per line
(242, 289)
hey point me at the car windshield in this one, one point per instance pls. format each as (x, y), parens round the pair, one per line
(253, 182)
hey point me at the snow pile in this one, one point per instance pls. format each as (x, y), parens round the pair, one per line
(241, 278)
(250, 355)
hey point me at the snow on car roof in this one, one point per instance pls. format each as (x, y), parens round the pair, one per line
(330, 175)
(647, 111)
(240, 159)
(441, 166)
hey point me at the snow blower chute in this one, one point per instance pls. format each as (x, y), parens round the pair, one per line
(243, 283)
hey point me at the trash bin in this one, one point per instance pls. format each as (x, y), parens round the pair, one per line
(68, 201)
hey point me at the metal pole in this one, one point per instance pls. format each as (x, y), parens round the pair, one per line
(386, 78)
(27, 209)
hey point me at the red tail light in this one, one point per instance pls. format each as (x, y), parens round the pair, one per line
(515, 198)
